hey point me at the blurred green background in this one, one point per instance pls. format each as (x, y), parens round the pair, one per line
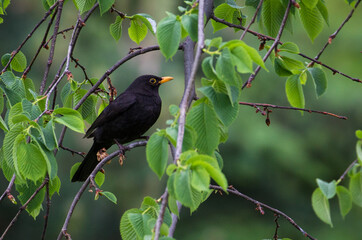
(276, 165)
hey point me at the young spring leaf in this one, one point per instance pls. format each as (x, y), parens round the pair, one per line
(355, 186)
(242, 60)
(105, 5)
(272, 12)
(169, 35)
(71, 118)
(225, 12)
(319, 79)
(328, 189)
(157, 153)
(320, 206)
(110, 196)
(189, 22)
(281, 68)
(26, 191)
(19, 62)
(310, 3)
(127, 230)
(294, 91)
(289, 47)
(137, 31)
(345, 200)
(84, 5)
(225, 68)
(116, 28)
(312, 20)
(182, 186)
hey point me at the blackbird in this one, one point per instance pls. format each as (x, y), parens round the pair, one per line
(125, 119)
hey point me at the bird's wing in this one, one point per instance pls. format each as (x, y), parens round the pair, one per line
(114, 109)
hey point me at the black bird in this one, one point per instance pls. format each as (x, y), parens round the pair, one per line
(125, 119)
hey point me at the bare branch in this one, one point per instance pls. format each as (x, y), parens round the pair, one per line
(77, 197)
(252, 20)
(273, 46)
(331, 37)
(46, 217)
(52, 48)
(22, 208)
(261, 205)
(347, 170)
(265, 105)
(29, 35)
(8, 189)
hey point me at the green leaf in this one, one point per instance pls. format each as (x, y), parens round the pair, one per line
(26, 191)
(71, 118)
(232, 4)
(172, 205)
(289, 47)
(320, 206)
(281, 68)
(323, 10)
(328, 189)
(319, 79)
(226, 111)
(272, 12)
(8, 78)
(293, 65)
(126, 228)
(182, 185)
(202, 118)
(225, 68)
(157, 153)
(99, 179)
(29, 85)
(169, 35)
(31, 162)
(189, 22)
(73, 169)
(105, 5)
(54, 186)
(242, 60)
(208, 68)
(359, 134)
(355, 187)
(5, 59)
(173, 109)
(147, 20)
(137, 31)
(3, 125)
(110, 196)
(225, 12)
(294, 91)
(200, 179)
(84, 5)
(359, 150)
(310, 3)
(312, 20)
(18, 63)
(215, 42)
(49, 136)
(8, 146)
(345, 200)
(116, 28)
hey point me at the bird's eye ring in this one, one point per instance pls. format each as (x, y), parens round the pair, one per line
(152, 81)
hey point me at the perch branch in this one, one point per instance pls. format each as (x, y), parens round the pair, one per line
(291, 108)
(8, 189)
(261, 205)
(252, 20)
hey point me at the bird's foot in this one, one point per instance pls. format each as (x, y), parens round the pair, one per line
(101, 154)
(121, 147)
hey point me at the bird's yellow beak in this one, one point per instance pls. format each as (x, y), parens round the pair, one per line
(165, 79)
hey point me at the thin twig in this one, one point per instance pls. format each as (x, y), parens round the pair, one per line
(26, 71)
(260, 204)
(22, 208)
(273, 46)
(60, 32)
(46, 216)
(72, 151)
(77, 197)
(347, 170)
(52, 47)
(252, 20)
(275, 237)
(7, 192)
(29, 35)
(291, 108)
(331, 37)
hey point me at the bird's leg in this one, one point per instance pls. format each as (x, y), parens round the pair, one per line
(123, 150)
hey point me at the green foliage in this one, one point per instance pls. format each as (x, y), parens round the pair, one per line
(320, 206)
(169, 35)
(312, 20)
(138, 223)
(319, 79)
(227, 12)
(105, 5)
(85, 5)
(116, 28)
(157, 152)
(272, 12)
(294, 91)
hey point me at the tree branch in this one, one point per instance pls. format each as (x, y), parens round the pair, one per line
(265, 105)
(52, 48)
(331, 37)
(347, 170)
(22, 208)
(273, 46)
(46, 217)
(8, 189)
(77, 197)
(261, 205)
(29, 35)
(252, 20)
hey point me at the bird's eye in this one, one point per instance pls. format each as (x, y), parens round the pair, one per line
(152, 81)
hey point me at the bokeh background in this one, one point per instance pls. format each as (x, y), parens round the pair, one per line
(277, 165)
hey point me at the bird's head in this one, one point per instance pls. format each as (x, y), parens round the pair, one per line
(149, 82)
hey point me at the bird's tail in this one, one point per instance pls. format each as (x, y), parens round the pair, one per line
(87, 166)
